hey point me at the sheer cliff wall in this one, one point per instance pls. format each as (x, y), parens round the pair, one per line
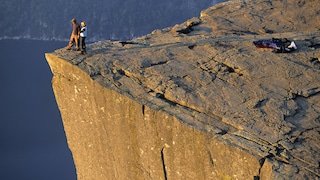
(113, 137)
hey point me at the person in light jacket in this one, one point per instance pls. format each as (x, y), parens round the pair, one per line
(83, 35)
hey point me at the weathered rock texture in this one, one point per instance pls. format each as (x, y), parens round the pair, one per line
(198, 100)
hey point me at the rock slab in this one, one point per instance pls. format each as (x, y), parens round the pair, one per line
(198, 100)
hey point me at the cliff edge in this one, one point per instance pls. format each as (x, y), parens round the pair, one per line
(198, 100)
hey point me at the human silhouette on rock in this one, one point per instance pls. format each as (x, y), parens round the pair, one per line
(74, 38)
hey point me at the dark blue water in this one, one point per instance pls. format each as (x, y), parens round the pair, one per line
(32, 139)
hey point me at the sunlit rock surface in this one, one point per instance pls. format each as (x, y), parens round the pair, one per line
(198, 100)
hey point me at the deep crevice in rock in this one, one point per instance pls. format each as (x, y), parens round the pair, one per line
(143, 110)
(163, 164)
(211, 159)
(186, 30)
(191, 46)
(261, 162)
(222, 132)
(159, 63)
(162, 97)
(261, 103)
(123, 43)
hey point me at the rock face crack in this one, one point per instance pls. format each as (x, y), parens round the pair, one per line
(143, 109)
(261, 103)
(163, 164)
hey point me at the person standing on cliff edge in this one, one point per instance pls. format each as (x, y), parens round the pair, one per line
(83, 35)
(74, 38)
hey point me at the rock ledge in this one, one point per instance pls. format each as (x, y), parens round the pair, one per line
(200, 91)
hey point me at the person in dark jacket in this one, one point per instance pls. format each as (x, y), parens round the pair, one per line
(74, 38)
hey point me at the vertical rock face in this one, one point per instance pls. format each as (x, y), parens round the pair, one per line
(198, 101)
(113, 137)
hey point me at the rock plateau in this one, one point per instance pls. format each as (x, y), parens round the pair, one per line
(198, 100)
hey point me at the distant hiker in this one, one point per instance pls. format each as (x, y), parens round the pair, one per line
(83, 35)
(74, 38)
(278, 45)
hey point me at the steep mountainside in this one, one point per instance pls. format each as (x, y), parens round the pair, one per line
(198, 100)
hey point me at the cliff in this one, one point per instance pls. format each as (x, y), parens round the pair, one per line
(198, 100)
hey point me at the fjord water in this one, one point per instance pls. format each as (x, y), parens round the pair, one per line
(32, 139)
